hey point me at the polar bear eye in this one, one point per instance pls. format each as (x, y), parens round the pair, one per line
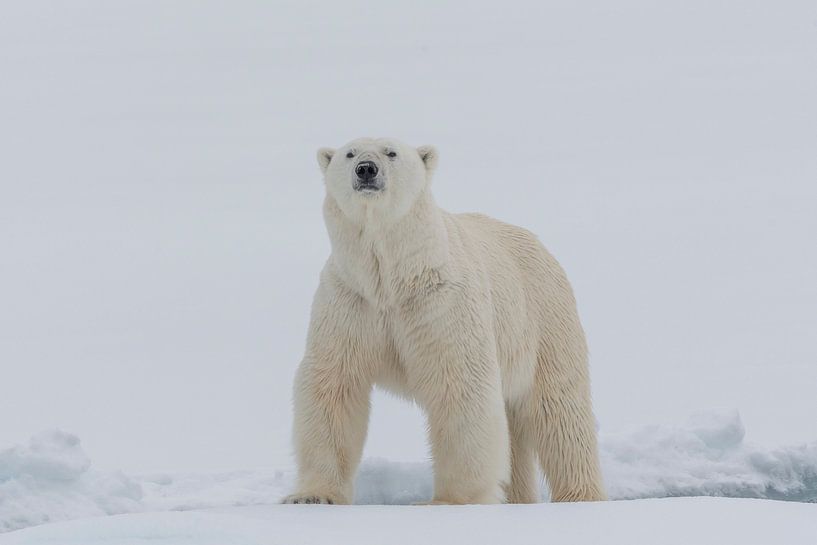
(350, 155)
(392, 154)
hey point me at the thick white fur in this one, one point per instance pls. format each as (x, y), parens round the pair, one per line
(470, 317)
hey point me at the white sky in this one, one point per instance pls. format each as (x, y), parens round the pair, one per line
(160, 225)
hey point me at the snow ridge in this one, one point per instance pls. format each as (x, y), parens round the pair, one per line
(50, 479)
(706, 457)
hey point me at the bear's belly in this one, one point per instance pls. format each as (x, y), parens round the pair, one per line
(392, 378)
(515, 351)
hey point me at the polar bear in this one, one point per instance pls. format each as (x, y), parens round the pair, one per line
(469, 317)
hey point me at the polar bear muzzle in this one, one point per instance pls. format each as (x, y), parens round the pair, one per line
(367, 180)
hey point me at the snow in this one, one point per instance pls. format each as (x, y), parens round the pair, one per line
(706, 456)
(681, 521)
(51, 479)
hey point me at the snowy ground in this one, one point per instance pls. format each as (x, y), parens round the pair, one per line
(51, 479)
(682, 521)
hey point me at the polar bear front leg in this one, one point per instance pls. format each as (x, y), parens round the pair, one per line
(458, 384)
(469, 442)
(331, 417)
(331, 401)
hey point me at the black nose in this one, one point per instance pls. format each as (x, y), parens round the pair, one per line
(366, 170)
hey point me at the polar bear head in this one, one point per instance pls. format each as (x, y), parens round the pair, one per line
(381, 175)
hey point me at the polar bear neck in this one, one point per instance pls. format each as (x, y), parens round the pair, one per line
(387, 262)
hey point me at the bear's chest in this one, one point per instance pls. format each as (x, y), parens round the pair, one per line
(396, 285)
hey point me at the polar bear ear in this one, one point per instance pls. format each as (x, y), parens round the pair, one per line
(324, 157)
(429, 156)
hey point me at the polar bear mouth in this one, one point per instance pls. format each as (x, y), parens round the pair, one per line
(368, 186)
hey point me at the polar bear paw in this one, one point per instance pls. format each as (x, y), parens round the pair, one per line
(310, 499)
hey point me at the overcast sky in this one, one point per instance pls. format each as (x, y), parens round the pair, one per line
(160, 225)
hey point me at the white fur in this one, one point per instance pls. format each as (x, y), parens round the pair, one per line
(470, 317)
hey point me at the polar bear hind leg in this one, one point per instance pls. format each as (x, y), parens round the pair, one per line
(563, 422)
(524, 484)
